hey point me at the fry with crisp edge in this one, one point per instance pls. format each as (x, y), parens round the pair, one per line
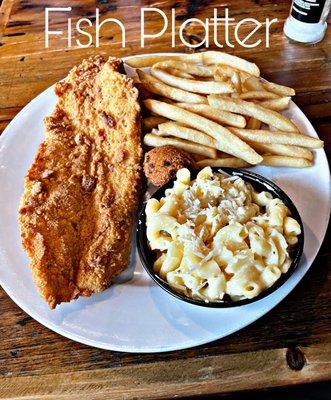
(280, 137)
(258, 95)
(222, 117)
(244, 76)
(155, 86)
(188, 68)
(253, 123)
(222, 72)
(279, 104)
(228, 142)
(191, 85)
(218, 57)
(236, 80)
(278, 89)
(231, 162)
(219, 77)
(183, 132)
(179, 73)
(282, 150)
(153, 140)
(149, 123)
(283, 161)
(250, 109)
(254, 84)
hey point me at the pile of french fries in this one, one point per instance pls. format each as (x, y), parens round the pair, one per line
(215, 106)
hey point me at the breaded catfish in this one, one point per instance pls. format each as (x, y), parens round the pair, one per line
(82, 190)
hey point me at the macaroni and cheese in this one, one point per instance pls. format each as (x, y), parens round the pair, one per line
(215, 235)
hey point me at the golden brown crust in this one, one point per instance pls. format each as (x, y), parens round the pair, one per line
(162, 163)
(82, 190)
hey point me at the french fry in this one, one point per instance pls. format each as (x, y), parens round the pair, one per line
(155, 86)
(236, 80)
(280, 137)
(222, 117)
(258, 95)
(218, 57)
(149, 123)
(192, 58)
(278, 89)
(179, 73)
(231, 162)
(143, 92)
(149, 61)
(279, 104)
(219, 77)
(188, 68)
(198, 157)
(222, 72)
(208, 58)
(228, 142)
(234, 93)
(221, 154)
(244, 76)
(157, 141)
(191, 85)
(250, 109)
(253, 123)
(166, 100)
(254, 84)
(283, 161)
(183, 132)
(282, 150)
(225, 70)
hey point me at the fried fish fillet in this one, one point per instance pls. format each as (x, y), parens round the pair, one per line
(82, 190)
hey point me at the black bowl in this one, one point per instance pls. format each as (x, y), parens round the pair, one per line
(260, 183)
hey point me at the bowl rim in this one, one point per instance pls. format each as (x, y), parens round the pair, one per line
(250, 177)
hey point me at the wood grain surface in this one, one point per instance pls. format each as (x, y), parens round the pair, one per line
(290, 345)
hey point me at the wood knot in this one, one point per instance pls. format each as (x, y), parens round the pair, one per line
(15, 353)
(23, 321)
(295, 358)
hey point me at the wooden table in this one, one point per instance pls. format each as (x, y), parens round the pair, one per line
(290, 345)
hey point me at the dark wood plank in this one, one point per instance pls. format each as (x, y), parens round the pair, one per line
(169, 379)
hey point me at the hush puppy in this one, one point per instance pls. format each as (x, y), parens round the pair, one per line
(162, 163)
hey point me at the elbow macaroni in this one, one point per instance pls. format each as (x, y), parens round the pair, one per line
(217, 236)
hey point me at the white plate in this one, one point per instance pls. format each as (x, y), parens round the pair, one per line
(135, 315)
